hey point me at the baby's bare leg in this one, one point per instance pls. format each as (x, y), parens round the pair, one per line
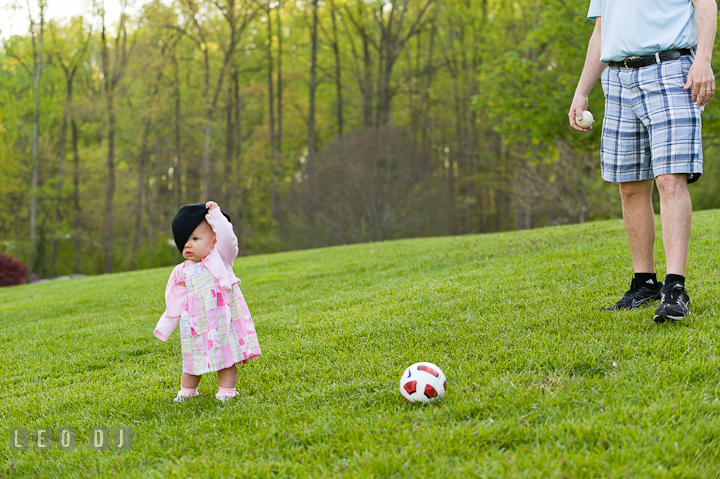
(189, 381)
(227, 377)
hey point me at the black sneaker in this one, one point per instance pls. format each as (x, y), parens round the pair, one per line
(674, 305)
(636, 296)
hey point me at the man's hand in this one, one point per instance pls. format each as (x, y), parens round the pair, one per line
(579, 105)
(702, 81)
(592, 70)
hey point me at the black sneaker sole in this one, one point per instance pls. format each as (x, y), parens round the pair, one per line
(661, 319)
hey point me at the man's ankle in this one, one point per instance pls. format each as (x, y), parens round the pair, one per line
(675, 278)
(646, 279)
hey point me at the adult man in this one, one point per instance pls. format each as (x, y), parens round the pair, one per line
(657, 81)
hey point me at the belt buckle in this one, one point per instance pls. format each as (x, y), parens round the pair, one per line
(630, 58)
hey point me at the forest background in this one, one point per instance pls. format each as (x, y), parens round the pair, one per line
(312, 123)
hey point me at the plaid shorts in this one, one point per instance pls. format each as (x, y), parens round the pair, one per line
(651, 126)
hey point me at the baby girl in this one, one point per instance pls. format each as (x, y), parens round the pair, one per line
(203, 296)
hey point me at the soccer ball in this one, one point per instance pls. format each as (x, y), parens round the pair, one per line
(423, 383)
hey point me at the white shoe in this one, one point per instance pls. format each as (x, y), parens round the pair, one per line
(181, 397)
(224, 398)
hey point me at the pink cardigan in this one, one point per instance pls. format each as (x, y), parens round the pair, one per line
(219, 262)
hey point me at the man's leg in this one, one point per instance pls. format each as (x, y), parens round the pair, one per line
(639, 220)
(676, 215)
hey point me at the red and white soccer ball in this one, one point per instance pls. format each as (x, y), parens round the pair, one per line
(423, 383)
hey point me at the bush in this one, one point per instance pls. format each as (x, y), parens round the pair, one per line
(371, 185)
(11, 271)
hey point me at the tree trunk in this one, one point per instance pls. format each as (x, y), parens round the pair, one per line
(238, 109)
(279, 84)
(338, 70)
(61, 172)
(76, 197)
(239, 210)
(229, 147)
(208, 125)
(178, 148)
(385, 95)
(110, 190)
(363, 73)
(152, 205)
(426, 92)
(313, 86)
(456, 156)
(271, 111)
(35, 153)
(142, 160)
(367, 82)
(112, 78)
(206, 169)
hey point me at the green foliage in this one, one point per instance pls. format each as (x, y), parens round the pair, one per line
(530, 86)
(705, 191)
(484, 87)
(541, 382)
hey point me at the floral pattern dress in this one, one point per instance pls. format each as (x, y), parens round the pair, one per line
(216, 330)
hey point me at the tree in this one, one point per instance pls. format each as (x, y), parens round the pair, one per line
(237, 15)
(37, 33)
(476, 90)
(271, 114)
(311, 146)
(395, 27)
(69, 64)
(113, 71)
(338, 68)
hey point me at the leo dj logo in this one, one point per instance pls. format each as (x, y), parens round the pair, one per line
(65, 438)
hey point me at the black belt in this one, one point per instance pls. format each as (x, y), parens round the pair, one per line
(637, 62)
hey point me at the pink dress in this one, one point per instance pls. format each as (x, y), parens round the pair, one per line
(216, 329)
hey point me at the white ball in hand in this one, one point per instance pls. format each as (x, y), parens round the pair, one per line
(586, 121)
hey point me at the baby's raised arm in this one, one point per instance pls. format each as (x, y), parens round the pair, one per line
(227, 243)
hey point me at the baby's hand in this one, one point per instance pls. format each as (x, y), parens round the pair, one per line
(210, 205)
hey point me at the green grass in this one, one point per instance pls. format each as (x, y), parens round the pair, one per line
(541, 382)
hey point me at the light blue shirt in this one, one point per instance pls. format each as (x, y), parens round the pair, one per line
(642, 27)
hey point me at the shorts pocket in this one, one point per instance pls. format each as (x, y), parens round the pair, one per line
(674, 73)
(605, 80)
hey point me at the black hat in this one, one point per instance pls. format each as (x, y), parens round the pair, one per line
(186, 220)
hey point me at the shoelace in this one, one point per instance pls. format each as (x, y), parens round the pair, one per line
(673, 294)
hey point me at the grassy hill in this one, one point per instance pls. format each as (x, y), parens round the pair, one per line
(541, 382)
